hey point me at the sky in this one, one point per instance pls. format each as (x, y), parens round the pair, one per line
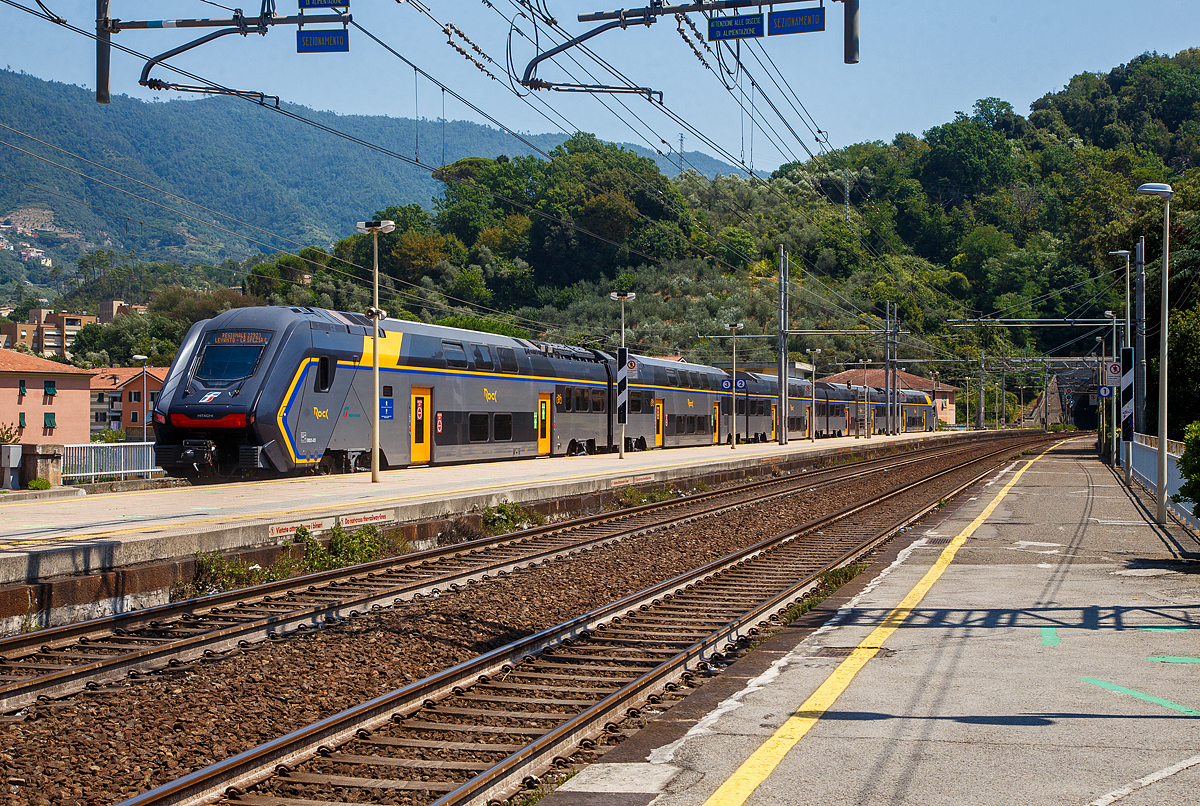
(920, 63)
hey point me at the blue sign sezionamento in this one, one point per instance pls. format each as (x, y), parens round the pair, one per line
(742, 26)
(796, 21)
(323, 41)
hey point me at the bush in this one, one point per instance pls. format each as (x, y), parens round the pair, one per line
(1189, 467)
(8, 433)
(39, 484)
(508, 516)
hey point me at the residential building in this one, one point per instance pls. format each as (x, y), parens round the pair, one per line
(110, 309)
(46, 401)
(117, 400)
(45, 331)
(943, 395)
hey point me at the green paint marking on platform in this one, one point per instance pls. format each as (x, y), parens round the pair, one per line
(1173, 659)
(1050, 636)
(1174, 706)
(1166, 629)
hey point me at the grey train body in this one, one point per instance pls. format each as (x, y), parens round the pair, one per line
(283, 391)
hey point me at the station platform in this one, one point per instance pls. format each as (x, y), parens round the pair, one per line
(68, 536)
(1035, 643)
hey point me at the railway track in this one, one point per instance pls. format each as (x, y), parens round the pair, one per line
(487, 728)
(66, 660)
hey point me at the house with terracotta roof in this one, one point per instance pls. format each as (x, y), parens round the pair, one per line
(46, 401)
(117, 401)
(942, 394)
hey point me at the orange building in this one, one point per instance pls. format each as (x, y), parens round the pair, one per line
(45, 400)
(45, 331)
(117, 400)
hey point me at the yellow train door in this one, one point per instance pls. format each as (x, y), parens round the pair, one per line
(658, 422)
(543, 424)
(716, 423)
(774, 420)
(419, 434)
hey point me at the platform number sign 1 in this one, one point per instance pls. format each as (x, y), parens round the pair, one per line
(622, 386)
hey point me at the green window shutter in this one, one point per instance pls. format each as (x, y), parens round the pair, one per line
(50, 388)
(48, 419)
(21, 420)
(21, 390)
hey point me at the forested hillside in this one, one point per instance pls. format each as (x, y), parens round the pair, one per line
(989, 214)
(228, 155)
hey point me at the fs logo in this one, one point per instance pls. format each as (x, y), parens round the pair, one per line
(320, 415)
(210, 397)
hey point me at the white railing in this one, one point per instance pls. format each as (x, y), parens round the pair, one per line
(1145, 469)
(109, 461)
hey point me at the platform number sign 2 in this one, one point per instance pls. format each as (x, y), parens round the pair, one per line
(623, 386)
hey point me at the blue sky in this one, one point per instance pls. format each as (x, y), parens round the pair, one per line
(921, 61)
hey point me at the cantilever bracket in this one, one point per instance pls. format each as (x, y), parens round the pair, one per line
(260, 98)
(528, 79)
(145, 79)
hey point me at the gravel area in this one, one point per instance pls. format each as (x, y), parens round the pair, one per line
(104, 746)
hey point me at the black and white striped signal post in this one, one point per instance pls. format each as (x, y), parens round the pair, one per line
(1127, 411)
(622, 394)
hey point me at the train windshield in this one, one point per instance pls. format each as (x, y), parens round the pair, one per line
(231, 355)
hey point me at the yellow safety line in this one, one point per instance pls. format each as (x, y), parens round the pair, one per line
(160, 525)
(754, 770)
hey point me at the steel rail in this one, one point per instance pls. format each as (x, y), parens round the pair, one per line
(232, 775)
(62, 682)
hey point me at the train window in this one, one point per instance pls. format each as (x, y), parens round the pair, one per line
(581, 399)
(822, 409)
(680, 424)
(598, 399)
(482, 356)
(228, 357)
(707, 381)
(671, 379)
(691, 424)
(741, 405)
(695, 376)
(507, 357)
(648, 399)
(455, 356)
(325, 367)
(683, 380)
(477, 427)
(725, 406)
(502, 427)
(701, 425)
(635, 402)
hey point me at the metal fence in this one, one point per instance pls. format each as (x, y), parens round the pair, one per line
(1145, 469)
(105, 461)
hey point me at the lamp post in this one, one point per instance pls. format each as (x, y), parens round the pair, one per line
(1114, 393)
(1165, 193)
(733, 331)
(812, 411)
(376, 315)
(143, 359)
(622, 296)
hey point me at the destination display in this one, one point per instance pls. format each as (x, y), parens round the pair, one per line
(796, 21)
(335, 41)
(258, 338)
(742, 26)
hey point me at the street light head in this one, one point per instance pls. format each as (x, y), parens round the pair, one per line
(1121, 252)
(366, 227)
(812, 352)
(1109, 314)
(628, 296)
(141, 358)
(738, 326)
(1156, 189)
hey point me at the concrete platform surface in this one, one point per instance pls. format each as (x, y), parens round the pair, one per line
(1037, 643)
(43, 539)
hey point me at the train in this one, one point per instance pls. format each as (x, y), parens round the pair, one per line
(279, 391)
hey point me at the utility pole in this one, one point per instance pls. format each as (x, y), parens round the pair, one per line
(887, 373)
(1139, 342)
(982, 387)
(103, 52)
(781, 414)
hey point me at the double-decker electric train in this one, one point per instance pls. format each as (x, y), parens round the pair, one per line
(283, 390)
